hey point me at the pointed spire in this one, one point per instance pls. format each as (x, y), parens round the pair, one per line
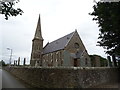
(38, 33)
(75, 29)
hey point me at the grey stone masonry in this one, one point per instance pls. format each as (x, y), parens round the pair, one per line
(65, 77)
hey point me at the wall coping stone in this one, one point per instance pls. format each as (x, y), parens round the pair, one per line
(74, 68)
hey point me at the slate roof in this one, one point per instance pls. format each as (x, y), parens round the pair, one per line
(57, 44)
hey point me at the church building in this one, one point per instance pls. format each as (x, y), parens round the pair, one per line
(67, 51)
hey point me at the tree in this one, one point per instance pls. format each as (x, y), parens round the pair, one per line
(2, 63)
(7, 8)
(107, 16)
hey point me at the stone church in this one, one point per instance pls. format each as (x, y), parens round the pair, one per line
(67, 51)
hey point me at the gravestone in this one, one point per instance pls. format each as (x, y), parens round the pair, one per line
(119, 63)
(114, 60)
(18, 61)
(24, 61)
(109, 61)
(14, 62)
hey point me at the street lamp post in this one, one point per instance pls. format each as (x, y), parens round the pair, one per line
(10, 55)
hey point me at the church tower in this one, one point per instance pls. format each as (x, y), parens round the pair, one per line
(37, 46)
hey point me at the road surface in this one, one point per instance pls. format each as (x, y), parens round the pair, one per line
(9, 81)
(0, 79)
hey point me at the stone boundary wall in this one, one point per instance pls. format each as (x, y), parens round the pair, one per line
(65, 77)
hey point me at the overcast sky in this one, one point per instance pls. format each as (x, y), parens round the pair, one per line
(58, 18)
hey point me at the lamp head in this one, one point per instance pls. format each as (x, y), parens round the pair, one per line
(8, 48)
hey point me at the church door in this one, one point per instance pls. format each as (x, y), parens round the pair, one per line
(75, 63)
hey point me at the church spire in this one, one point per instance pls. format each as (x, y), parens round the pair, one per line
(37, 46)
(38, 34)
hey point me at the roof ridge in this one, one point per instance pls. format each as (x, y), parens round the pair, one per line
(61, 37)
(58, 43)
(69, 39)
(46, 45)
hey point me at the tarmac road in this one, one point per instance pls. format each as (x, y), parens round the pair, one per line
(0, 79)
(9, 81)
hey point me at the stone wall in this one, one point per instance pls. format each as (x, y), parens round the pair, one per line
(65, 77)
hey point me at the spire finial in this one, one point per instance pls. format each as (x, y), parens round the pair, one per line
(39, 19)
